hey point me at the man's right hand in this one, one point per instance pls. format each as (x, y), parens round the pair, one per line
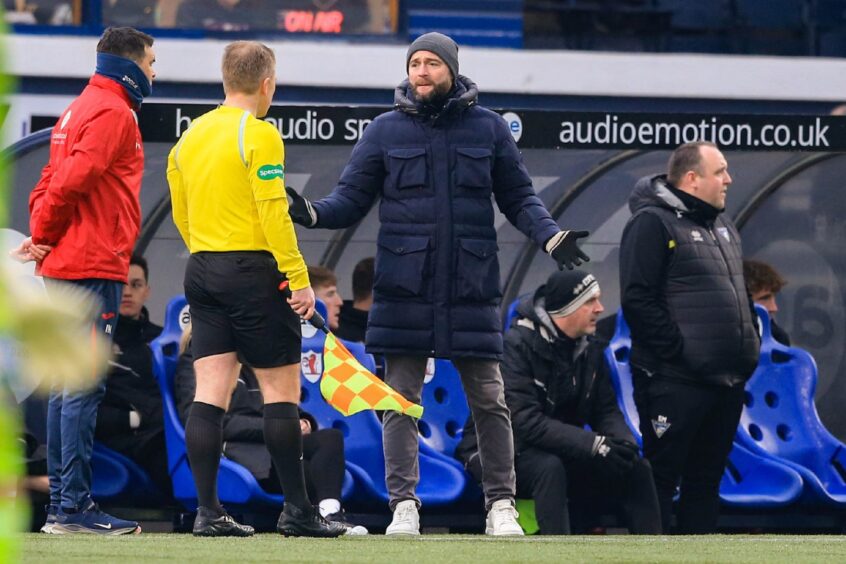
(619, 455)
(564, 248)
(27, 251)
(302, 302)
(301, 210)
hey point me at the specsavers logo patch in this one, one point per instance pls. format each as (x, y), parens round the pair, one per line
(271, 171)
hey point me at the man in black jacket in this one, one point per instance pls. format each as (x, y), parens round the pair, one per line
(556, 383)
(130, 419)
(694, 335)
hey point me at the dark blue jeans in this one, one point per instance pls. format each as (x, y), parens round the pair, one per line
(72, 415)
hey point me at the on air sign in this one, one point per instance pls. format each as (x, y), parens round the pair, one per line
(309, 21)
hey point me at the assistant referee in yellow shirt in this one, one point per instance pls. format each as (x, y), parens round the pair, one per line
(227, 186)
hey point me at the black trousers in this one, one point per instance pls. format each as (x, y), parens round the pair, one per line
(323, 464)
(583, 490)
(688, 431)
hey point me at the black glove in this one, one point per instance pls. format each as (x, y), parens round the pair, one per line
(301, 210)
(563, 248)
(618, 455)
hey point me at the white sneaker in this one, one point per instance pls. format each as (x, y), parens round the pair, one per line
(406, 519)
(502, 520)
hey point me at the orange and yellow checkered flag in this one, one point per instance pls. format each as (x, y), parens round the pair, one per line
(349, 387)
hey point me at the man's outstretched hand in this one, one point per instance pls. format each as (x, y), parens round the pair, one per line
(564, 249)
(301, 210)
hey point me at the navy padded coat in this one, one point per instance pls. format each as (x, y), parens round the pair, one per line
(437, 282)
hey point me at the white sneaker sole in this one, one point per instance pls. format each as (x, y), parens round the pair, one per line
(407, 533)
(59, 529)
(490, 533)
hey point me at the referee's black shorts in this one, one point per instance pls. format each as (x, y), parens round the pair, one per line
(236, 306)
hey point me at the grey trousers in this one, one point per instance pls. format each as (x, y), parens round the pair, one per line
(483, 387)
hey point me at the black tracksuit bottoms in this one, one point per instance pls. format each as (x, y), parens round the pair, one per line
(688, 430)
(571, 496)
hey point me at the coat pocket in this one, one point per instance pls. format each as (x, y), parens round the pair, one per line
(473, 167)
(407, 168)
(401, 265)
(477, 271)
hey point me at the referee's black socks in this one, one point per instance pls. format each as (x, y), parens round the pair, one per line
(284, 440)
(204, 442)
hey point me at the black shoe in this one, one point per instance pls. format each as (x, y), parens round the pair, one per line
(210, 523)
(296, 522)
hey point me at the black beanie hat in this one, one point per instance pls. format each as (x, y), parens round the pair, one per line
(568, 290)
(439, 44)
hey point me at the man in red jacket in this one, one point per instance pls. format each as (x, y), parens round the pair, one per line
(84, 218)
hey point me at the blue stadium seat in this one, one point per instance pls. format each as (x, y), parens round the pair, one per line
(698, 26)
(445, 409)
(116, 478)
(773, 27)
(617, 356)
(237, 488)
(780, 419)
(750, 479)
(441, 481)
(495, 23)
(109, 478)
(511, 313)
(770, 14)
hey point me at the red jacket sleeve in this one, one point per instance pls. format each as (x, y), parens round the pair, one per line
(36, 198)
(54, 199)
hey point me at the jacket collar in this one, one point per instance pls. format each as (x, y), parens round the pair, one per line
(100, 81)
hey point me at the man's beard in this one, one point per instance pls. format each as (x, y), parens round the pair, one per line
(438, 91)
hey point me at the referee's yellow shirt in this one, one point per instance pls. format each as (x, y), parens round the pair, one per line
(227, 189)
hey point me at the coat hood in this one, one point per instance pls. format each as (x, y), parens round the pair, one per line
(657, 191)
(533, 308)
(464, 94)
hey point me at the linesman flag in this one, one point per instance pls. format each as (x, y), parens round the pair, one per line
(349, 387)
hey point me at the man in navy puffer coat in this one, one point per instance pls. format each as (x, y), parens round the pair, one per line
(436, 161)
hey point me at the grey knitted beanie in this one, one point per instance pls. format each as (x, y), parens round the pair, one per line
(439, 44)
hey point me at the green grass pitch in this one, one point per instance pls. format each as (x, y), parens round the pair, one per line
(434, 549)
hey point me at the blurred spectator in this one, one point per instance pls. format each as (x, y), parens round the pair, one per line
(44, 12)
(352, 323)
(764, 283)
(226, 15)
(325, 285)
(135, 13)
(243, 440)
(130, 418)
